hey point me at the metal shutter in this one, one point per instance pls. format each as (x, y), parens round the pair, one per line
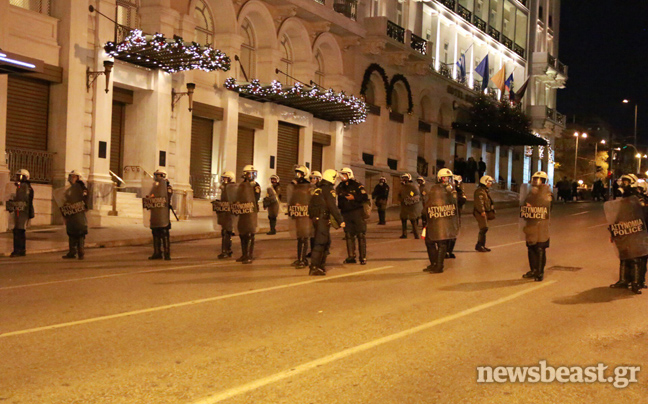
(316, 161)
(201, 156)
(244, 150)
(27, 110)
(117, 138)
(287, 151)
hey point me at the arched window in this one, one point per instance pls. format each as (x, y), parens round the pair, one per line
(204, 32)
(319, 73)
(286, 60)
(248, 50)
(370, 93)
(395, 101)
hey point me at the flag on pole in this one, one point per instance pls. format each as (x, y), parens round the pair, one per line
(482, 70)
(498, 79)
(461, 65)
(520, 93)
(508, 86)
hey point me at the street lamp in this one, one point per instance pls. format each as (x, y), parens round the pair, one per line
(626, 101)
(596, 150)
(577, 136)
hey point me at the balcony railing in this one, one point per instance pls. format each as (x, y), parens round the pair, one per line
(524, 3)
(204, 186)
(518, 49)
(419, 44)
(479, 23)
(551, 60)
(348, 8)
(37, 162)
(444, 70)
(507, 42)
(395, 32)
(494, 33)
(39, 6)
(449, 3)
(464, 12)
(555, 116)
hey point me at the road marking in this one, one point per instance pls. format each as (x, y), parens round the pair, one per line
(598, 225)
(579, 213)
(245, 388)
(189, 303)
(508, 244)
(503, 225)
(111, 275)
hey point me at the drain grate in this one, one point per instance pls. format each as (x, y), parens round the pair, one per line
(568, 269)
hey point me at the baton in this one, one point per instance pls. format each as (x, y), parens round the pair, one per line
(174, 214)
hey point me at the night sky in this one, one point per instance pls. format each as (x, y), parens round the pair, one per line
(605, 45)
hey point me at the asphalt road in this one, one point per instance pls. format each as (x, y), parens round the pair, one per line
(117, 328)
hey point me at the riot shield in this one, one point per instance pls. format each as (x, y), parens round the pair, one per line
(71, 203)
(245, 207)
(411, 204)
(442, 214)
(223, 209)
(627, 227)
(299, 196)
(273, 200)
(17, 204)
(155, 203)
(535, 212)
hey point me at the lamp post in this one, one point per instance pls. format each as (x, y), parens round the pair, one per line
(577, 136)
(626, 101)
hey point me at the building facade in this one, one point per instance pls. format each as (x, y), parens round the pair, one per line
(117, 128)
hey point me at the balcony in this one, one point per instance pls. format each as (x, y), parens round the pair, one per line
(419, 44)
(507, 42)
(395, 32)
(479, 23)
(464, 12)
(37, 162)
(519, 50)
(348, 8)
(448, 3)
(541, 114)
(549, 69)
(495, 34)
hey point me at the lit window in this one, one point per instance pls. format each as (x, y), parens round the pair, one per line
(319, 73)
(248, 50)
(204, 32)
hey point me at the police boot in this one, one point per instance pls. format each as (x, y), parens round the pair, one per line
(381, 217)
(540, 264)
(312, 244)
(362, 247)
(439, 255)
(244, 248)
(298, 261)
(273, 225)
(642, 277)
(431, 251)
(16, 244)
(415, 229)
(226, 245)
(623, 280)
(81, 247)
(72, 243)
(315, 271)
(451, 246)
(481, 241)
(157, 248)
(302, 256)
(351, 254)
(250, 249)
(404, 226)
(531, 253)
(636, 276)
(166, 240)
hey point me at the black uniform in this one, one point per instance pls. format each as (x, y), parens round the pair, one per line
(423, 191)
(299, 194)
(271, 202)
(353, 211)
(247, 221)
(160, 220)
(483, 204)
(461, 201)
(321, 209)
(224, 216)
(411, 207)
(21, 209)
(631, 271)
(381, 195)
(442, 224)
(76, 224)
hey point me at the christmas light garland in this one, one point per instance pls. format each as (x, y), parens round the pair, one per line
(170, 55)
(354, 110)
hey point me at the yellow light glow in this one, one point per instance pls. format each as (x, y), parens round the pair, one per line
(638, 155)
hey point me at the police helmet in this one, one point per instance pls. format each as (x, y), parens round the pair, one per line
(484, 180)
(330, 176)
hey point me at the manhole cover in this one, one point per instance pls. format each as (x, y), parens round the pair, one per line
(559, 268)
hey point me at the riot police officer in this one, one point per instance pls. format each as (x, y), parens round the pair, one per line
(158, 203)
(246, 206)
(322, 209)
(314, 178)
(73, 208)
(461, 201)
(20, 204)
(271, 203)
(642, 189)
(423, 190)
(411, 204)
(535, 208)
(223, 211)
(351, 197)
(299, 194)
(483, 211)
(381, 195)
(442, 220)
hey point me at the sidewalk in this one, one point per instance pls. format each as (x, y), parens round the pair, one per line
(44, 239)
